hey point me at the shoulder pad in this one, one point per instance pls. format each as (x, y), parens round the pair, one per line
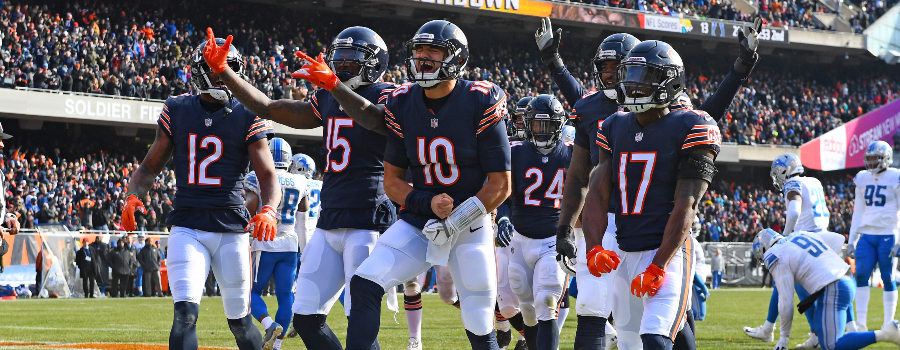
(792, 185)
(770, 259)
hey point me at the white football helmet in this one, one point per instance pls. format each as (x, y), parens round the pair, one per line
(302, 164)
(881, 156)
(764, 240)
(785, 166)
(281, 152)
(568, 133)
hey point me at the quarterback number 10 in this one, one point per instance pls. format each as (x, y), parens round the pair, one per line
(428, 156)
(649, 160)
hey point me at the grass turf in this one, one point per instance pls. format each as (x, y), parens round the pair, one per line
(148, 320)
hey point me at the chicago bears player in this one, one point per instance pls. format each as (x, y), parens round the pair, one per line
(874, 229)
(516, 124)
(803, 258)
(538, 171)
(277, 258)
(449, 133)
(662, 161)
(806, 210)
(354, 205)
(588, 112)
(213, 145)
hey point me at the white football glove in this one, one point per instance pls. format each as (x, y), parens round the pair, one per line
(782, 344)
(442, 231)
(851, 250)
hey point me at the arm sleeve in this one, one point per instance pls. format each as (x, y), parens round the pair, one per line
(791, 216)
(258, 129)
(859, 209)
(568, 86)
(493, 144)
(702, 132)
(716, 104)
(784, 281)
(602, 134)
(164, 121)
(583, 137)
(314, 102)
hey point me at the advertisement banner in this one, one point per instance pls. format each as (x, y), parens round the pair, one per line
(844, 147)
(520, 7)
(706, 27)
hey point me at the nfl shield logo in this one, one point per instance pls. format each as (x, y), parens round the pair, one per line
(434, 122)
(208, 122)
(545, 159)
(638, 137)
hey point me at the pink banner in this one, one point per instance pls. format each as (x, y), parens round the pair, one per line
(843, 147)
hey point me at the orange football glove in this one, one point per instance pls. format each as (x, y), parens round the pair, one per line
(264, 224)
(316, 72)
(600, 261)
(648, 282)
(216, 57)
(132, 203)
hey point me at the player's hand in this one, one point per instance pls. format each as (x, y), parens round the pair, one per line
(132, 203)
(546, 41)
(264, 225)
(505, 232)
(600, 261)
(316, 72)
(851, 251)
(895, 250)
(748, 37)
(438, 231)
(565, 242)
(216, 57)
(12, 225)
(648, 282)
(703, 296)
(782, 343)
(442, 205)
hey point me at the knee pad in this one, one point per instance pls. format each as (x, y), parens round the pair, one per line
(360, 253)
(477, 313)
(377, 266)
(862, 279)
(186, 314)
(246, 335)
(656, 342)
(545, 304)
(412, 288)
(477, 256)
(529, 315)
(518, 280)
(236, 306)
(509, 311)
(446, 290)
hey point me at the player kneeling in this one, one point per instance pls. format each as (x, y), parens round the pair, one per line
(804, 259)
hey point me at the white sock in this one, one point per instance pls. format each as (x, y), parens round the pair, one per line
(267, 322)
(278, 343)
(503, 326)
(563, 313)
(414, 323)
(862, 305)
(768, 327)
(890, 305)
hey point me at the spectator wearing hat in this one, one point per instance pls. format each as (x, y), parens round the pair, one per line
(150, 259)
(84, 261)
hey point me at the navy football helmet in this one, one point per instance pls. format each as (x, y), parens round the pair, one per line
(652, 76)
(199, 70)
(362, 46)
(516, 126)
(614, 48)
(544, 120)
(441, 34)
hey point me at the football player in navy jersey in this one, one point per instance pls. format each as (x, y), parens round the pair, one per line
(354, 205)
(657, 164)
(538, 172)
(589, 110)
(449, 133)
(213, 146)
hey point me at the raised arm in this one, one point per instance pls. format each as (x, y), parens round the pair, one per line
(548, 43)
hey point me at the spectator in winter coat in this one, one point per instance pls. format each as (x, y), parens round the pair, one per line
(84, 261)
(151, 259)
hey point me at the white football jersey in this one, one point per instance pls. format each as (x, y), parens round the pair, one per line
(877, 208)
(293, 189)
(315, 205)
(814, 212)
(811, 262)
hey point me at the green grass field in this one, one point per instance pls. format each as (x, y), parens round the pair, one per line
(147, 321)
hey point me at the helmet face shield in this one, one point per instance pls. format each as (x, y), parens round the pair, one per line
(638, 80)
(346, 62)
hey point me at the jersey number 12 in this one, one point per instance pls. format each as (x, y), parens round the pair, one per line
(197, 174)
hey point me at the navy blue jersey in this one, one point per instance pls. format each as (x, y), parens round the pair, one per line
(645, 163)
(587, 114)
(211, 161)
(353, 182)
(453, 150)
(538, 180)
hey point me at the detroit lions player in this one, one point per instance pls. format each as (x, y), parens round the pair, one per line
(807, 211)
(675, 149)
(449, 133)
(354, 205)
(538, 171)
(315, 193)
(589, 110)
(277, 258)
(303, 166)
(803, 258)
(213, 145)
(874, 229)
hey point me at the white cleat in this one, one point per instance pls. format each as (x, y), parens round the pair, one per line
(811, 343)
(891, 332)
(612, 339)
(861, 327)
(414, 344)
(760, 334)
(851, 328)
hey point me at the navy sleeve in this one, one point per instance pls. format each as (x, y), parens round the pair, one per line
(259, 129)
(493, 143)
(568, 86)
(702, 132)
(582, 136)
(314, 102)
(716, 104)
(395, 150)
(602, 135)
(164, 121)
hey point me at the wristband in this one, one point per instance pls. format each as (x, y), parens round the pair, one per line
(419, 202)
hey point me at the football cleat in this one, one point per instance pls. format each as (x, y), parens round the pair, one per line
(811, 343)
(612, 339)
(269, 339)
(414, 344)
(504, 338)
(891, 332)
(851, 327)
(760, 334)
(520, 344)
(291, 332)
